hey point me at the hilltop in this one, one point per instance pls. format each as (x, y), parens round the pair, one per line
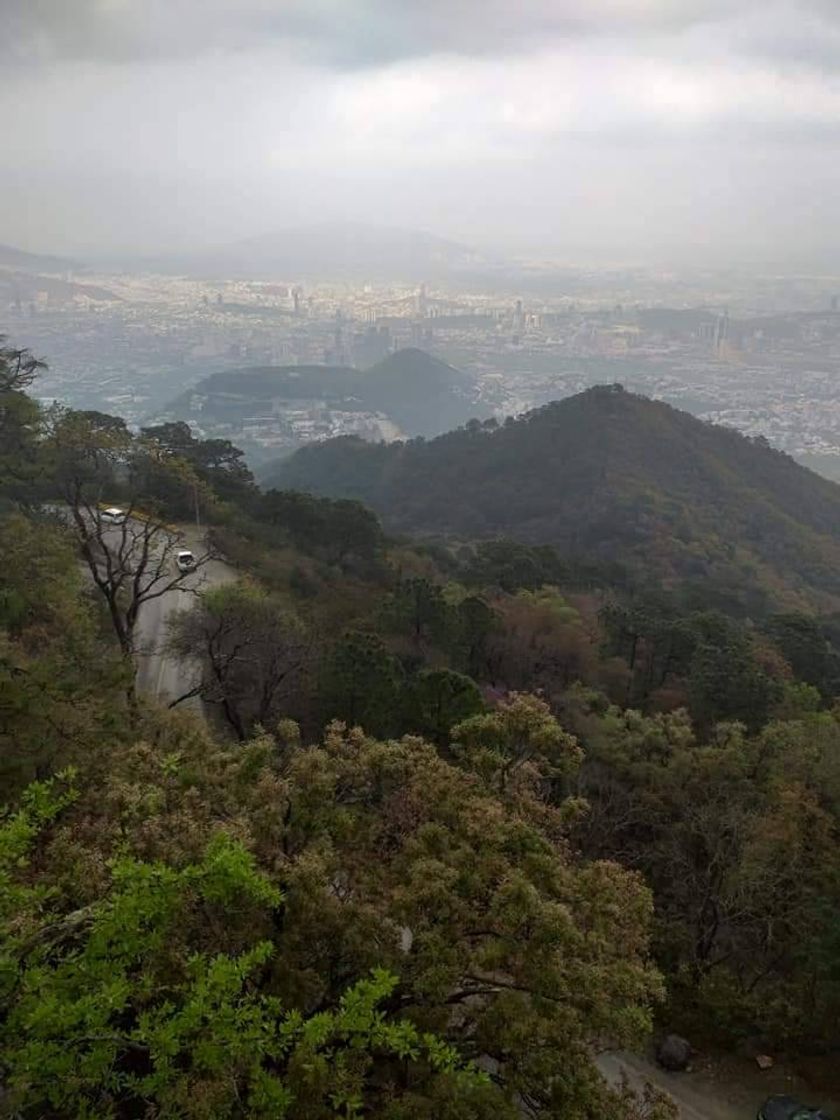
(419, 393)
(609, 474)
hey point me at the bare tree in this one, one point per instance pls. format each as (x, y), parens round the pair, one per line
(252, 653)
(131, 560)
(18, 368)
(131, 563)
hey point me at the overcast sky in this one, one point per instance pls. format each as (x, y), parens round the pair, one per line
(627, 129)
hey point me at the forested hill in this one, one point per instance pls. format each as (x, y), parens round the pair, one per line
(606, 473)
(419, 392)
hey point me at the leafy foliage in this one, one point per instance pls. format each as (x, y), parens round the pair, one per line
(738, 839)
(121, 1008)
(20, 421)
(215, 462)
(423, 923)
(361, 682)
(61, 689)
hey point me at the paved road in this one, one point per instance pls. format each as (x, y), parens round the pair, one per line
(163, 677)
(696, 1097)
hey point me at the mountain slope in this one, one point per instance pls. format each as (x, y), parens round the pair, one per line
(19, 259)
(608, 474)
(23, 275)
(22, 286)
(422, 394)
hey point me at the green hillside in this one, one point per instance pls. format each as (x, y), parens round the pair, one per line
(409, 811)
(610, 474)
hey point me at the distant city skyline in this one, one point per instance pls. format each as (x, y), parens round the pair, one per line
(638, 131)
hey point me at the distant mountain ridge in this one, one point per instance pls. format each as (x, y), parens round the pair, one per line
(610, 474)
(21, 261)
(24, 276)
(340, 249)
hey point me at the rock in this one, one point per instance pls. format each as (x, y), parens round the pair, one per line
(673, 1053)
(764, 1061)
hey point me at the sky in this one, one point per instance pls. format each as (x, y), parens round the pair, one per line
(641, 131)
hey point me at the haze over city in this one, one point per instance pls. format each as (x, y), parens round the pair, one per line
(617, 131)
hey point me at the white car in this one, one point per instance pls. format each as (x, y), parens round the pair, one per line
(185, 560)
(112, 516)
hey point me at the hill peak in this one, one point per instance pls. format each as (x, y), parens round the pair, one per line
(414, 361)
(614, 475)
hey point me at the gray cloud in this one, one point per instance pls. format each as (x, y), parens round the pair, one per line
(629, 125)
(362, 33)
(803, 36)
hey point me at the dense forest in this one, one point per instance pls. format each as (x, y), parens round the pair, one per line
(608, 474)
(453, 817)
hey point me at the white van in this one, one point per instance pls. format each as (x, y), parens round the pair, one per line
(185, 560)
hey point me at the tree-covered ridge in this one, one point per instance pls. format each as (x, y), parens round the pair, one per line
(607, 473)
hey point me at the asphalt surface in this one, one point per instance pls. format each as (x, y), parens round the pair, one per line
(159, 675)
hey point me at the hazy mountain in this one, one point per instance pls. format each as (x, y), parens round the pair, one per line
(420, 393)
(24, 275)
(22, 261)
(341, 249)
(609, 474)
(21, 287)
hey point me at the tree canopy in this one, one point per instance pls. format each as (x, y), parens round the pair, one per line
(451, 816)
